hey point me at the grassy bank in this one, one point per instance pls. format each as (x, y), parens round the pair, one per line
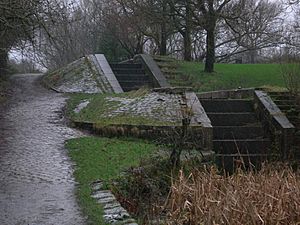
(102, 159)
(226, 76)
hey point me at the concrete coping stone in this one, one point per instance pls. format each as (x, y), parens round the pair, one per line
(199, 115)
(273, 110)
(152, 69)
(107, 71)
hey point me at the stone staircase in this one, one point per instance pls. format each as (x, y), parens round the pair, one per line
(237, 133)
(131, 76)
(288, 104)
(170, 68)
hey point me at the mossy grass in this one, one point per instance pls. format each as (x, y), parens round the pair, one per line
(103, 104)
(102, 159)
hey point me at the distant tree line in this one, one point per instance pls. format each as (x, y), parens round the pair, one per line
(60, 31)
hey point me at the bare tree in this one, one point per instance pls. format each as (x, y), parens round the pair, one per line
(18, 18)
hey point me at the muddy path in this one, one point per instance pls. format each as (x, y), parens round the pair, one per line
(36, 182)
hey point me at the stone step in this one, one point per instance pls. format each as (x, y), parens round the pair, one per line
(132, 88)
(129, 83)
(283, 97)
(288, 107)
(233, 119)
(232, 132)
(121, 71)
(285, 102)
(225, 105)
(132, 77)
(126, 66)
(244, 146)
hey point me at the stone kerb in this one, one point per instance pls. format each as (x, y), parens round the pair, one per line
(152, 69)
(275, 121)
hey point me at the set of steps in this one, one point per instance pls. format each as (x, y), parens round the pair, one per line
(288, 104)
(238, 136)
(169, 67)
(131, 76)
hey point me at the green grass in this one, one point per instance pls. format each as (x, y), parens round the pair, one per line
(229, 76)
(102, 159)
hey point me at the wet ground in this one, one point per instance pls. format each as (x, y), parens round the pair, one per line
(36, 183)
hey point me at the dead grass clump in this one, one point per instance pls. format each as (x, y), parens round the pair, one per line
(271, 196)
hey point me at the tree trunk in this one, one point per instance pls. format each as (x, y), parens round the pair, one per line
(210, 49)
(252, 56)
(187, 46)
(187, 34)
(163, 35)
(3, 61)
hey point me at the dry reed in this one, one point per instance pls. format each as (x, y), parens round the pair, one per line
(271, 196)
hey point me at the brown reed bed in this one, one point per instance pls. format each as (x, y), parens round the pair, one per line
(270, 196)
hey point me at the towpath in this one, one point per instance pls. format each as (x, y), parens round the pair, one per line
(36, 182)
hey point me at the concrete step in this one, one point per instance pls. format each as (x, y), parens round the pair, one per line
(288, 107)
(132, 77)
(241, 146)
(232, 132)
(134, 84)
(132, 88)
(115, 66)
(121, 71)
(285, 102)
(233, 119)
(283, 97)
(225, 105)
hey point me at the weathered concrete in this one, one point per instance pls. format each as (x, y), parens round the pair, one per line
(89, 74)
(158, 79)
(275, 121)
(36, 183)
(108, 73)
